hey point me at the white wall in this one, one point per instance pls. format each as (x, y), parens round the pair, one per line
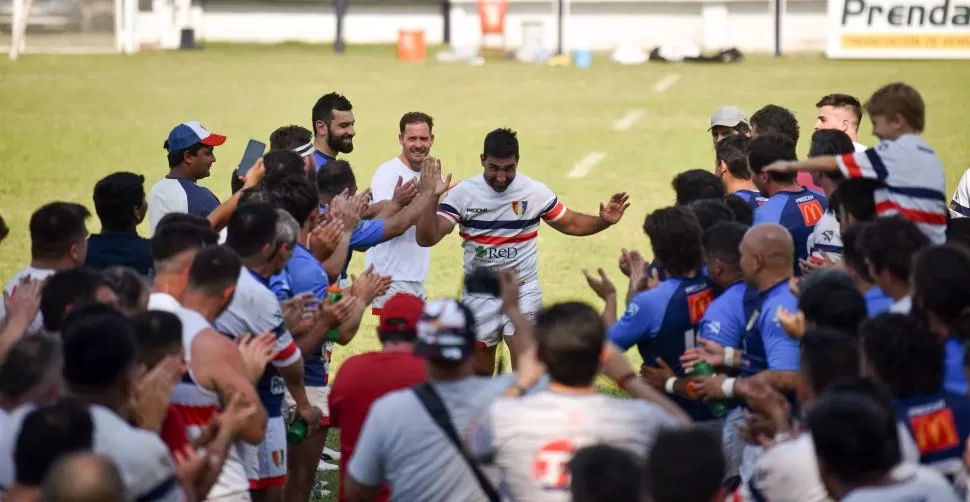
(591, 24)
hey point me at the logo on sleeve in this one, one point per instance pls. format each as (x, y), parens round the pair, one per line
(631, 310)
(812, 211)
(935, 431)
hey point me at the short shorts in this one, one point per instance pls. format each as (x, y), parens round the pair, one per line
(266, 462)
(490, 323)
(411, 287)
(319, 397)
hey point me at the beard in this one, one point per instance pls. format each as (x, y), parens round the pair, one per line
(342, 144)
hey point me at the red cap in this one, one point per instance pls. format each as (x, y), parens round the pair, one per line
(400, 314)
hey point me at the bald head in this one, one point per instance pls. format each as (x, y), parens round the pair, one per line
(84, 477)
(767, 254)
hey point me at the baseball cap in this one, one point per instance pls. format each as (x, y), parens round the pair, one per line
(446, 331)
(400, 314)
(728, 116)
(189, 133)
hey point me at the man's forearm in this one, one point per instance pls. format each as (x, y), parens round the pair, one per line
(293, 376)
(426, 227)
(609, 310)
(309, 341)
(523, 339)
(583, 224)
(219, 217)
(822, 164)
(348, 330)
(380, 210)
(642, 390)
(335, 264)
(784, 381)
(403, 218)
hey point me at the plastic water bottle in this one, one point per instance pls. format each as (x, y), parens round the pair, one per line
(298, 431)
(703, 369)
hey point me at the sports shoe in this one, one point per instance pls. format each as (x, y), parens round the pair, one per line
(329, 454)
(326, 466)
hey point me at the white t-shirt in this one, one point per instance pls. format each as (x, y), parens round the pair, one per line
(859, 147)
(401, 257)
(501, 229)
(960, 203)
(533, 438)
(916, 484)
(37, 325)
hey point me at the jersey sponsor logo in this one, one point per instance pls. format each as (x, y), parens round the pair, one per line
(828, 235)
(476, 210)
(550, 465)
(697, 304)
(493, 253)
(277, 386)
(519, 207)
(812, 211)
(935, 432)
(279, 457)
(631, 310)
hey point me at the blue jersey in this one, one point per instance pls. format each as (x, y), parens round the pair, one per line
(877, 302)
(663, 323)
(752, 197)
(954, 376)
(321, 159)
(940, 424)
(304, 274)
(796, 211)
(724, 320)
(766, 344)
(368, 234)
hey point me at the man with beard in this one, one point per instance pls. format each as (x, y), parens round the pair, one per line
(333, 127)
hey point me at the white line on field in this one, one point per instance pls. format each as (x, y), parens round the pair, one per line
(586, 164)
(666, 82)
(625, 122)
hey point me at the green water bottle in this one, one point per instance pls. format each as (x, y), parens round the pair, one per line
(703, 369)
(297, 432)
(334, 294)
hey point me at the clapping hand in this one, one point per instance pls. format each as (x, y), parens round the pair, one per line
(792, 323)
(613, 210)
(709, 351)
(256, 352)
(24, 301)
(149, 403)
(431, 177)
(404, 192)
(602, 286)
(369, 285)
(324, 238)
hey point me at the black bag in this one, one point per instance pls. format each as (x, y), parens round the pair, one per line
(429, 398)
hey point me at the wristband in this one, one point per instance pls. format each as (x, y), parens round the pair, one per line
(728, 387)
(729, 354)
(669, 385)
(625, 381)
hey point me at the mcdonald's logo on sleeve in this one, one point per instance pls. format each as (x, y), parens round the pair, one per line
(935, 432)
(812, 211)
(697, 304)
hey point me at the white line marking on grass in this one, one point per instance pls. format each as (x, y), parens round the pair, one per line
(666, 82)
(625, 122)
(586, 164)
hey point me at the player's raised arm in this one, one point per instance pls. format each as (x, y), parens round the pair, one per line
(576, 223)
(435, 221)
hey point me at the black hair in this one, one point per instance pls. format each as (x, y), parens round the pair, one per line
(852, 255)
(829, 298)
(904, 354)
(251, 227)
(415, 118)
(770, 148)
(957, 231)
(335, 177)
(325, 106)
(180, 233)
(48, 433)
(773, 119)
(236, 183)
(830, 142)
(501, 143)
(256, 194)
(941, 285)
(710, 212)
(827, 356)
(570, 338)
(289, 137)
(116, 197)
(298, 196)
(214, 269)
(743, 212)
(55, 227)
(733, 151)
(856, 437)
(696, 184)
(4, 229)
(129, 286)
(603, 473)
(675, 236)
(280, 165)
(838, 100)
(99, 350)
(857, 198)
(27, 364)
(723, 241)
(177, 157)
(67, 288)
(685, 465)
(890, 243)
(157, 334)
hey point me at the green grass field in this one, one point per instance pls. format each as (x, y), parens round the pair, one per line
(70, 120)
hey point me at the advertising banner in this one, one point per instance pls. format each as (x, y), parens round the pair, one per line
(899, 29)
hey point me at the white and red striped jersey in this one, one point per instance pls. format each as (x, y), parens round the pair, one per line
(500, 229)
(915, 184)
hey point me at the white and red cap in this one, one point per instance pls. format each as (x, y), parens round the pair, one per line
(189, 133)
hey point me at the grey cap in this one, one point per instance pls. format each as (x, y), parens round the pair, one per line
(728, 116)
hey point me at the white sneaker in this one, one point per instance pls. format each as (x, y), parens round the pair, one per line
(331, 454)
(326, 466)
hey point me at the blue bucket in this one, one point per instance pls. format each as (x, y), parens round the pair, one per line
(583, 58)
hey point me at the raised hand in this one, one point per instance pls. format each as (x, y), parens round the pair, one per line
(613, 210)
(431, 177)
(255, 174)
(324, 238)
(335, 314)
(256, 352)
(602, 286)
(294, 310)
(24, 302)
(404, 193)
(370, 285)
(508, 281)
(348, 210)
(792, 322)
(149, 403)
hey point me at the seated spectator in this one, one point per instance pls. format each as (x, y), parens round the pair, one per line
(119, 200)
(602, 473)
(84, 477)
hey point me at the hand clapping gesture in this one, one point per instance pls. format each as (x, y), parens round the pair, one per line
(431, 177)
(613, 210)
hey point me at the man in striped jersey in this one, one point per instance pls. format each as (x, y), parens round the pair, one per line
(498, 217)
(910, 170)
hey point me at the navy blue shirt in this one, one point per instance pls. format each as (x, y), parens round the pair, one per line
(321, 159)
(752, 197)
(796, 211)
(940, 424)
(126, 249)
(662, 322)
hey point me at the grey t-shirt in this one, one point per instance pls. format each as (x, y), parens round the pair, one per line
(920, 485)
(402, 445)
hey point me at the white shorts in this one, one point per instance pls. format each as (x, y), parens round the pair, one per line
(410, 287)
(266, 462)
(319, 397)
(490, 323)
(231, 497)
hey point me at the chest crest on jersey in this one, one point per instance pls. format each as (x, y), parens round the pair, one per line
(519, 207)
